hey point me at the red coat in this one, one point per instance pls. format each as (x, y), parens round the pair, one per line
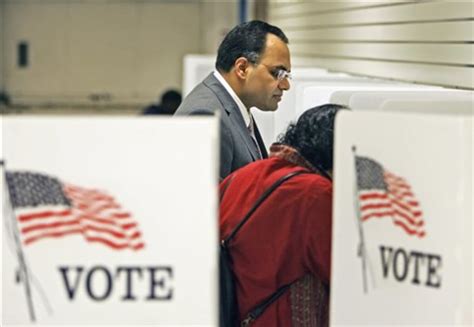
(288, 237)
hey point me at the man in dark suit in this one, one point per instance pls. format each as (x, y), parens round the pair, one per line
(252, 70)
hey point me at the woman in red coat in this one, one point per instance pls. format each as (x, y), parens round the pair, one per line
(287, 240)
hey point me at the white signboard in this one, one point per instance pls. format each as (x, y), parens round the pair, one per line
(114, 220)
(402, 230)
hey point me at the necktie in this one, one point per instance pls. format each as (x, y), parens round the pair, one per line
(251, 129)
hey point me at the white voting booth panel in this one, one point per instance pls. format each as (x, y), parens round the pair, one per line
(196, 68)
(119, 175)
(344, 97)
(402, 230)
(427, 106)
(327, 93)
(297, 99)
(374, 99)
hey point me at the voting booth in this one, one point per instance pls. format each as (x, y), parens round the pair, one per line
(444, 107)
(374, 99)
(402, 220)
(109, 221)
(340, 91)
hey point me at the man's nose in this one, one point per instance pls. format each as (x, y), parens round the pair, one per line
(284, 84)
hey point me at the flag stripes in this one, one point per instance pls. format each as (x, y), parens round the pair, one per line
(383, 194)
(75, 210)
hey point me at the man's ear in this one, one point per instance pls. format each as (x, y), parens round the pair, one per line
(241, 66)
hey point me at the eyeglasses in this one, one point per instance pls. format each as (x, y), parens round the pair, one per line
(279, 73)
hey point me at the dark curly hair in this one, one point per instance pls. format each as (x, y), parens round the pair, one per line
(313, 135)
(245, 40)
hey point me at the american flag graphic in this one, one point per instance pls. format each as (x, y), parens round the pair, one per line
(47, 208)
(384, 194)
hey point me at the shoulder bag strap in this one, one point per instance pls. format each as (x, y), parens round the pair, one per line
(260, 308)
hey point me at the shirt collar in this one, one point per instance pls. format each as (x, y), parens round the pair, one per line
(243, 110)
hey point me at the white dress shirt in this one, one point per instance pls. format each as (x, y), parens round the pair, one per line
(243, 110)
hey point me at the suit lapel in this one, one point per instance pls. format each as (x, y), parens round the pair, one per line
(233, 112)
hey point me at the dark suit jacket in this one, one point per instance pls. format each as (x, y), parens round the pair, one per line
(237, 146)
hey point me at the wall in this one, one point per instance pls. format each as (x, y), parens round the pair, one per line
(105, 52)
(218, 17)
(416, 41)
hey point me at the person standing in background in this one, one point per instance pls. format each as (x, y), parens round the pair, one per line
(170, 101)
(252, 70)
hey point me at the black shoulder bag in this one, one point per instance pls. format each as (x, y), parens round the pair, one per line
(228, 308)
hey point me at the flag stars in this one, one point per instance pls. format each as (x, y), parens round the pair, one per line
(369, 174)
(32, 190)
